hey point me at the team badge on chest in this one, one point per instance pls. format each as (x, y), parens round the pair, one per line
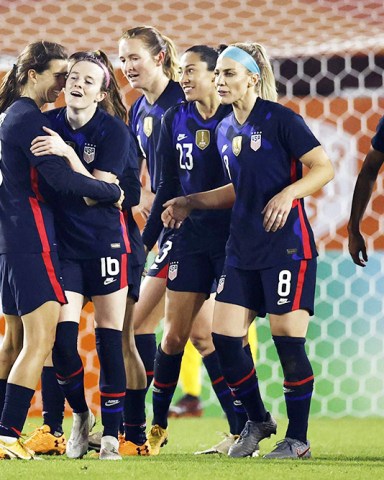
(148, 126)
(203, 138)
(236, 145)
(172, 270)
(256, 141)
(89, 153)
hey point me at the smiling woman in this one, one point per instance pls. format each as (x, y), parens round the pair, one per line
(92, 269)
(30, 274)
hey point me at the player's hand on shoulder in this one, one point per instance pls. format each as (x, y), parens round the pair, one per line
(51, 144)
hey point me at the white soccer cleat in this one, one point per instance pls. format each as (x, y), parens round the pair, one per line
(109, 449)
(77, 445)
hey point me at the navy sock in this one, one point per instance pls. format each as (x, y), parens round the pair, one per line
(167, 371)
(298, 384)
(15, 411)
(239, 371)
(241, 413)
(221, 389)
(146, 346)
(3, 386)
(68, 366)
(112, 378)
(53, 400)
(134, 416)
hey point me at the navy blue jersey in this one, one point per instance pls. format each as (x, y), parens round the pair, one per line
(262, 158)
(378, 138)
(26, 220)
(190, 160)
(104, 143)
(145, 122)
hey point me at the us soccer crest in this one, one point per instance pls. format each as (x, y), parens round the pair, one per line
(89, 153)
(236, 145)
(256, 141)
(172, 271)
(148, 126)
(220, 285)
(203, 138)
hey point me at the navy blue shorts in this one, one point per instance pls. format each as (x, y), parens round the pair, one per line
(29, 280)
(95, 276)
(159, 267)
(135, 273)
(195, 272)
(276, 290)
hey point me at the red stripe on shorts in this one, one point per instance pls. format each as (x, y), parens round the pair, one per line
(46, 253)
(300, 283)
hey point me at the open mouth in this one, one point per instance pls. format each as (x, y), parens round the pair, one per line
(76, 94)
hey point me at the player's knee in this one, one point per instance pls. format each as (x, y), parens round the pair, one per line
(204, 345)
(173, 343)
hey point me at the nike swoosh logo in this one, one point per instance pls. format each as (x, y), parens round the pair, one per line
(181, 136)
(107, 281)
(301, 453)
(224, 148)
(283, 301)
(110, 403)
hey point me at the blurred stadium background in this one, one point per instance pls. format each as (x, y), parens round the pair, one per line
(328, 59)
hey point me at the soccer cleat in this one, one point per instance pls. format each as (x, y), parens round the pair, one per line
(290, 448)
(16, 450)
(4, 455)
(77, 445)
(222, 447)
(42, 442)
(109, 449)
(130, 449)
(157, 438)
(94, 440)
(187, 406)
(247, 445)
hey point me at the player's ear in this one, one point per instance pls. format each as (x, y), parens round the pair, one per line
(32, 75)
(100, 97)
(159, 58)
(253, 79)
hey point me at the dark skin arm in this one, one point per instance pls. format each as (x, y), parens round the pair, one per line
(361, 196)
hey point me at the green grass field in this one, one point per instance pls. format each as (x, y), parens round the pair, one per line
(349, 448)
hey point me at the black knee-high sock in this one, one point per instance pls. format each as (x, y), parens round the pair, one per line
(68, 366)
(146, 346)
(3, 386)
(112, 378)
(134, 416)
(167, 371)
(15, 411)
(298, 384)
(241, 413)
(221, 389)
(53, 400)
(239, 372)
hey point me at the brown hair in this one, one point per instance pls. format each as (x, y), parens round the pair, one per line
(155, 42)
(113, 102)
(35, 56)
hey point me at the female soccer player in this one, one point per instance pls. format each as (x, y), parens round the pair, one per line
(271, 256)
(30, 276)
(190, 162)
(93, 245)
(50, 438)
